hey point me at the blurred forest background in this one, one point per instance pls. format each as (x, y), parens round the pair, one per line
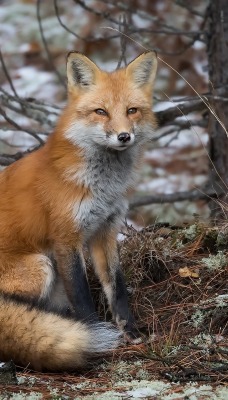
(35, 37)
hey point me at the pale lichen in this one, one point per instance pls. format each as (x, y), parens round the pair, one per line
(192, 232)
(23, 396)
(203, 340)
(197, 318)
(215, 262)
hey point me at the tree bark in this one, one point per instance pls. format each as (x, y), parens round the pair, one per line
(217, 47)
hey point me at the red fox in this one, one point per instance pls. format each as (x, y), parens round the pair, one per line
(68, 195)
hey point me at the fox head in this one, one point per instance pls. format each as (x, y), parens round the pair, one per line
(111, 109)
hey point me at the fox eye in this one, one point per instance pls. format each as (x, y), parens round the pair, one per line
(132, 110)
(100, 111)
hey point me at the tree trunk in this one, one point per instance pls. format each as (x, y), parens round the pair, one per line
(217, 48)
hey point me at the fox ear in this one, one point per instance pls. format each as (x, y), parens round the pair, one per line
(81, 71)
(143, 69)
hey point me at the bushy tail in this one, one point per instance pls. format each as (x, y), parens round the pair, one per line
(39, 340)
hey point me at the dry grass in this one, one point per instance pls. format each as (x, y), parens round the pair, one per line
(186, 316)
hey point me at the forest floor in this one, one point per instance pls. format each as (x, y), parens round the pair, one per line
(177, 283)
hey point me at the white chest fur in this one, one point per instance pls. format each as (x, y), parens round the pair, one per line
(108, 175)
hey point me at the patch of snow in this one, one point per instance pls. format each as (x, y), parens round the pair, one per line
(163, 105)
(198, 45)
(29, 81)
(142, 393)
(140, 22)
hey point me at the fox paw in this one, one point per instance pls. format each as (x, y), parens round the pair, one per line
(130, 332)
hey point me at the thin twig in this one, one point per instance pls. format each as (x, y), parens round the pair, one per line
(7, 74)
(32, 103)
(19, 128)
(37, 115)
(50, 59)
(62, 23)
(87, 38)
(167, 29)
(7, 159)
(183, 4)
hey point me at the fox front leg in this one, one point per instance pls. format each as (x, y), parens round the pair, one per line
(71, 268)
(104, 254)
(120, 308)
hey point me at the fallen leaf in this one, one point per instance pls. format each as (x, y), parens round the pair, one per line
(186, 272)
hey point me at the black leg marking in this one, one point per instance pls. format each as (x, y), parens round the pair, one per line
(121, 309)
(80, 297)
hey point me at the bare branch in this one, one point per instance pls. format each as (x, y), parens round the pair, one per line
(6, 159)
(37, 113)
(32, 103)
(178, 126)
(62, 23)
(167, 29)
(19, 128)
(103, 14)
(61, 80)
(190, 195)
(183, 4)
(7, 74)
(87, 38)
(166, 116)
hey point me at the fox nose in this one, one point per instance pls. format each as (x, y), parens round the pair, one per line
(124, 137)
